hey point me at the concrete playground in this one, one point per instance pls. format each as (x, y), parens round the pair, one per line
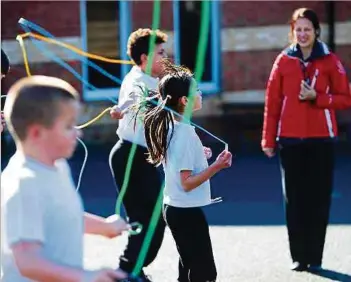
(247, 228)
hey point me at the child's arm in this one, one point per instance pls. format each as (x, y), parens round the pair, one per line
(33, 265)
(109, 227)
(133, 94)
(191, 181)
(23, 212)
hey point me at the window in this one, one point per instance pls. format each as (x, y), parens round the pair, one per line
(105, 30)
(187, 21)
(106, 26)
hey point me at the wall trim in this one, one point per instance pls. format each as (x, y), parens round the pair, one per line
(259, 38)
(14, 52)
(241, 39)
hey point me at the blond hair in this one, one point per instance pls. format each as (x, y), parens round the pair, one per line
(35, 100)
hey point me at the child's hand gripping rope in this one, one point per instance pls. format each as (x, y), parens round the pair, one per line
(208, 152)
(116, 112)
(116, 225)
(224, 160)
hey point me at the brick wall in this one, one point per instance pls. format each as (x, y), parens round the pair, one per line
(239, 14)
(247, 70)
(49, 69)
(343, 13)
(142, 12)
(240, 70)
(58, 17)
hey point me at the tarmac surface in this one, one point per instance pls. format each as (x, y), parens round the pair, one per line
(247, 229)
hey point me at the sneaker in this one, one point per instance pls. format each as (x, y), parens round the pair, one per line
(298, 266)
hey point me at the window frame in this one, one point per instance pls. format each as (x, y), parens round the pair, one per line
(125, 14)
(124, 31)
(214, 86)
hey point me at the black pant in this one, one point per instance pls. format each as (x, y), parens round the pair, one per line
(307, 170)
(190, 231)
(141, 196)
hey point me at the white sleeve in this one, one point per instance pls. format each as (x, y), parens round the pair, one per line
(182, 152)
(132, 95)
(24, 213)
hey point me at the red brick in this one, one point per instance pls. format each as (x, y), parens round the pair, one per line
(246, 70)
(58, 17)
(250, 70)
(342, 11)
(259, 13)
(344, 54)
(49, 69)
(142, 13)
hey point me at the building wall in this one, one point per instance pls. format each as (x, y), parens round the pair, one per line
(251, 38)
(142, 12)
(142, 15)
(66, 26)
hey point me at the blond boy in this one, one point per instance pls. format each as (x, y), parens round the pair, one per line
(42, 214)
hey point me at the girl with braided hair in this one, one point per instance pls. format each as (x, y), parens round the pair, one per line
(173, 142)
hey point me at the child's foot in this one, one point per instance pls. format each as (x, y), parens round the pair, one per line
(298, 266)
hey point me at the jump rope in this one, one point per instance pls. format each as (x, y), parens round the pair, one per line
(135, 228)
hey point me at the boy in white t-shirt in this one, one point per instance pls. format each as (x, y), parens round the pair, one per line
(43, 221)
(175, 144)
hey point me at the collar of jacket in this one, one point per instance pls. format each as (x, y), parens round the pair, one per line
(320, 49)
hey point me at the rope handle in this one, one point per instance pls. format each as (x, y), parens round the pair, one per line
(135, 228)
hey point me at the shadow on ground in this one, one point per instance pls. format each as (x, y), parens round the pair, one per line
(251, 188)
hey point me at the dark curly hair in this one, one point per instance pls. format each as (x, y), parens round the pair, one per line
(139, 42)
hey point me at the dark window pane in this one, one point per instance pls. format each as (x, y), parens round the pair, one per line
(103, 40)
(190, 21)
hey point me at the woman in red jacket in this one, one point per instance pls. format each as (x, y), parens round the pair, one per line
(306, 85)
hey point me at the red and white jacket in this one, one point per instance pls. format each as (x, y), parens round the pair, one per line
(285, 116)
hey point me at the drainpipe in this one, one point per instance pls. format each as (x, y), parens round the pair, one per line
(330, 7)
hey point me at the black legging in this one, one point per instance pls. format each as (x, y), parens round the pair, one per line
(141, 196)
(190, 231)
(307, 170)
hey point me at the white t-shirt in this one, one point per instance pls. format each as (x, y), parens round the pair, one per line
(130, 94)
(185, 152)
(39, 203)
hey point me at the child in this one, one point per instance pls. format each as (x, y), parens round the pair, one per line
(5, 67)
(42, 215)
(176, 145)
(145, 181)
